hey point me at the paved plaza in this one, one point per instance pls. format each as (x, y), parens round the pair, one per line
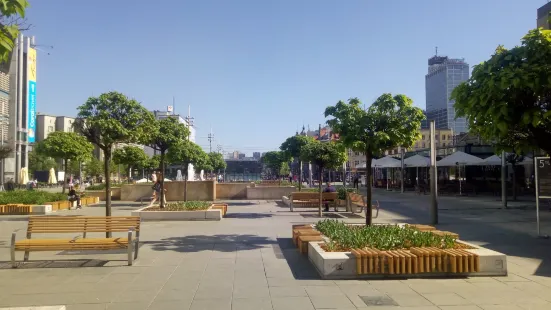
(247, 261)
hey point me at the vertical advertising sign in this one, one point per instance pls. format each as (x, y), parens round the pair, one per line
(31, 95)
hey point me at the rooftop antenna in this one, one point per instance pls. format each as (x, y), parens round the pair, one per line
(436, 48)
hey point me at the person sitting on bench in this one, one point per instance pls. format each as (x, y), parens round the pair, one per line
(329, 189)
(73, 196)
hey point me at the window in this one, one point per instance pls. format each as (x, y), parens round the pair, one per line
(423, 144)
(357, 153)
(444, 144)
(435, 137)
(443, 137)
(356, 162)
(50, 128)
(423, 137)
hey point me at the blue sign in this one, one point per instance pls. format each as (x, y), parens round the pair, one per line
(31, 115)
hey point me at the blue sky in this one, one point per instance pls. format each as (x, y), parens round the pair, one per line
(255, 70)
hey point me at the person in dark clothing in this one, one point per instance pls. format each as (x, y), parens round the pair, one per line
(329, 189)
(73, 196)
(356, 182)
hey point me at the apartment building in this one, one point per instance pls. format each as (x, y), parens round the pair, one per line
(46, 124)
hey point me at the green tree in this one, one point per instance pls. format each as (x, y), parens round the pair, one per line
(274, 160)
(285, 169)
(166, 134)
(67, 146)
(507, 99)
(187, 153)
(12, 14)
(40, 162)
(325, 155)
(93, 167)
(390, 122)
(109, 119)
(217, 161)
(130, 156)
(293, 146)
(153, 163)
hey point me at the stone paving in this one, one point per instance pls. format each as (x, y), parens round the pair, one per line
(247, 261)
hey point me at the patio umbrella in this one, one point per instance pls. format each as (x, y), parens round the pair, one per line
(51, 177)
(417, 161)
(24, 176)
(386, 162)
(459, 158)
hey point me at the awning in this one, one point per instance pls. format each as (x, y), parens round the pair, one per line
(417, 161)
(459, 158)
(386, 162)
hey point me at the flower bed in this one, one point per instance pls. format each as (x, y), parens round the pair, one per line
(340, 250)
(27, 197)
(183, 211)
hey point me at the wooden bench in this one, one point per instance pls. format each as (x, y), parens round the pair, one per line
(78, 224)
(360, 201)
(310, 199)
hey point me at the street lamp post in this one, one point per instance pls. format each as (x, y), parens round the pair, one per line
(4, 120)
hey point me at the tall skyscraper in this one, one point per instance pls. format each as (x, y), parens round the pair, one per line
(544, 13)
(444, 75)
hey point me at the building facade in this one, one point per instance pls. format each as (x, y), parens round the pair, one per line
(544, 13)
(444, 75)
(45, 124)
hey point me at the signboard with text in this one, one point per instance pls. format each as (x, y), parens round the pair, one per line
(31, 95)
(543, 173)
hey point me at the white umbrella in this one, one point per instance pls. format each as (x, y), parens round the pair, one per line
(51, 177)
(459, 158)
(24, 176)
(167, 180)
(417, 161)
(386, 162)
(493, 160)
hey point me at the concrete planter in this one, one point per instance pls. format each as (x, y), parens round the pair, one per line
(269, 192)
(342, 265)
(214, 213)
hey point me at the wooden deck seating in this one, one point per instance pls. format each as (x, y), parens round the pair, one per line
(303, 241)
(359, 200)
(78, 224)
(309, 199)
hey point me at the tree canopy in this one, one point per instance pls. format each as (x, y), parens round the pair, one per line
(390, 122)
(217, 161)
(325, 155)
(185, 153)
(68, 146)
(507, 100)
(292, 148)
(40, 162)
(274, 159)
(109, 119)
(165, 134)
(130, 156)
(12, 14)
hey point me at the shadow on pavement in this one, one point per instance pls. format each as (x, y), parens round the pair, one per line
(221, 243)
(501, 230)
(240, 203)
(301, 267)
(55, 264)
(247, 215)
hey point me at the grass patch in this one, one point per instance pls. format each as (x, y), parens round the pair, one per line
(30, 197)
(101, 186)
(183, 206)
(345, 237)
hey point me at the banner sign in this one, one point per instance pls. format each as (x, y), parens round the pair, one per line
(31, 95)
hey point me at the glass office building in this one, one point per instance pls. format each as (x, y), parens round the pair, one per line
(444, 75)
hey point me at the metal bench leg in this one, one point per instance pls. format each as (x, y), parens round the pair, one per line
(291, 205)
(137, 245)
(130, 247)
(13, 264)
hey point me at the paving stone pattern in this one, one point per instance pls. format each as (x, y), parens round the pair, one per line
(247, 261)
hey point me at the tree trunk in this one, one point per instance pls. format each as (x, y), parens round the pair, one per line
(368, 196)
(300, 176)
(320, 193)
(162, 194)
(107, 160)
(185, 182)
(514, 182)
(129, 173)
(65, 184)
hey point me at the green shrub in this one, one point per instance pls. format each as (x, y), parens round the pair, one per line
(184, 206)
(341, 192)
(30, 197)
(101, 186)
(382, 237)
(311, 190)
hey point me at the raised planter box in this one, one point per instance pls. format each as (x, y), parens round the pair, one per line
(214, 213)
(269, 192)
(343, 265)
